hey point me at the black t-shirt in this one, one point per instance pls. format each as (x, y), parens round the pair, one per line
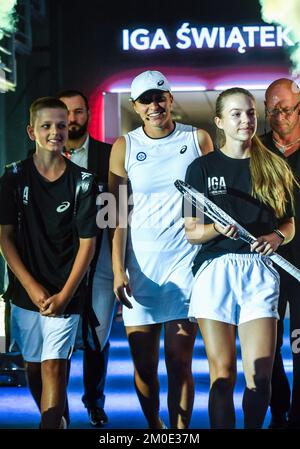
(227, 182)
(291, 251)
(48, 238)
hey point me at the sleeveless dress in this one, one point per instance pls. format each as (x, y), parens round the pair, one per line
(158, 257)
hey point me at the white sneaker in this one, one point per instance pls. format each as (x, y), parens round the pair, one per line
(63, 423)
(163, 426)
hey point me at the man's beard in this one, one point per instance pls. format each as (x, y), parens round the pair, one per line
(77, 133)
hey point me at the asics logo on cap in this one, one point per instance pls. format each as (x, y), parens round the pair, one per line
(149, 80)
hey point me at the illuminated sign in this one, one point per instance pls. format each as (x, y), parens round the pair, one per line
(236, 37)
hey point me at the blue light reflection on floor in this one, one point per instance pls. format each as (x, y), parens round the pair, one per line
(18, 410)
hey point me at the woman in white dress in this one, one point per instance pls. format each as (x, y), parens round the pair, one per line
(151, 257)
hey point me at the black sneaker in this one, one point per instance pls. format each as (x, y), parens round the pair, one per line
(279, 421)
(98, 417)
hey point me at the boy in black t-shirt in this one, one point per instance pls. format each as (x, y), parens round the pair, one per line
(48, 228)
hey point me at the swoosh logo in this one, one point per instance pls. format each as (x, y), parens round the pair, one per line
(64, 206)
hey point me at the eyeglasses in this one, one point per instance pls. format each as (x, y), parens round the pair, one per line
(147, 99)
(285, 111)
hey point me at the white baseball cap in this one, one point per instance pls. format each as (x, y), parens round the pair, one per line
(149, 80)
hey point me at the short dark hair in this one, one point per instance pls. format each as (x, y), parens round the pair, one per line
(44, 103)
(74, 93)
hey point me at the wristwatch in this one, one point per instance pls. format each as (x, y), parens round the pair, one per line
(279, 233)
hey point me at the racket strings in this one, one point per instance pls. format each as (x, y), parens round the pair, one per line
(214, 213)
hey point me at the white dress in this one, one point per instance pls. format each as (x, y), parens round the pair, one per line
(158, 257)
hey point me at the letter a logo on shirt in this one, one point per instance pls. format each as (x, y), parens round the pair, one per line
(25, 195)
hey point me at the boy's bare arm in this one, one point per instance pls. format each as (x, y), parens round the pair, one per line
(56, 304)
(37, 293)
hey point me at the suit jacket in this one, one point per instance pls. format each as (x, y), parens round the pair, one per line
(98, 164)
(291, 251)
(98, 159)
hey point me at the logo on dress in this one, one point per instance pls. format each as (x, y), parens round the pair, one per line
(64, 206)
(25, 195)
(141, 156)
(183, 149)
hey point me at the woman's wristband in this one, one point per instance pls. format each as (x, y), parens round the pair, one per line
(279, 233)
(215, 228)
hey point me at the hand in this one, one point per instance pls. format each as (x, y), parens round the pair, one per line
(54, 306)
(266, 244)
(38, 294)
(229, 231)
(121, 288)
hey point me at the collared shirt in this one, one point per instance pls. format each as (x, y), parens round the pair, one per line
(80, 155)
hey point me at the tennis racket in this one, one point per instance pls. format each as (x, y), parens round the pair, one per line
(215, 213)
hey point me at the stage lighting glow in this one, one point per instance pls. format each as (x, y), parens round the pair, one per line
(286, 14)
(174, 88)
(7, 16)
(119, 90)
(7, 26)
(188, 88)
(258, 86)
(2, 80)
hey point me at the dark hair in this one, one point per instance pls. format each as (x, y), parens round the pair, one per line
(44, 103)
(74, 93)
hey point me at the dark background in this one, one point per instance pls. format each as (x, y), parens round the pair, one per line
(78, 44)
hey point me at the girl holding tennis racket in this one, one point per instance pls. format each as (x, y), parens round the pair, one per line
(236, 286)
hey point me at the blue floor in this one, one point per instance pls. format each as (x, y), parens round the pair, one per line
(18, 410)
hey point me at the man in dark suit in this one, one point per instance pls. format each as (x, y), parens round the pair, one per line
(282, 104)
(87, 152)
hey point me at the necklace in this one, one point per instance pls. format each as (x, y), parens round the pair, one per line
(282, 147)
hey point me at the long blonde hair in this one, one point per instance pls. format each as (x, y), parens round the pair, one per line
(272, 179)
